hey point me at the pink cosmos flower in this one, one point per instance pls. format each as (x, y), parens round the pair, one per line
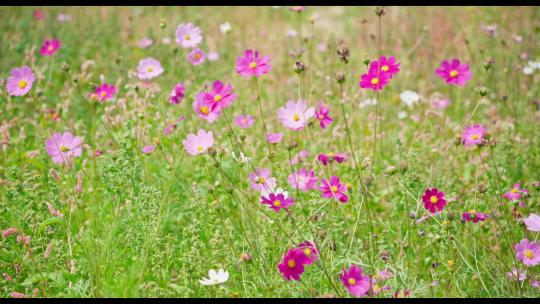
(196, 56)
(334, 189)
(515, 193)
(49, 47)
(292, 265)
(274, 138)
(433, 200)
(277, 201)
(252, 64)
(221, 96)
(303, 180)
(244, 121)
(63, 147)
(326, 159)
(322, 115)
(213, 56)
(532, 222)
(301, 156)
(204, 110)
(473, 216)
(200, 143)
(356, 283)
(295, 115)
(473, 135)
(149, 68)
(372, 81)
(261, 180)
(188, 35)
(148, 149)
(311, 252)
(177, 94)
(105, 92)
(388, 66)
(528, 252)
(20, 81)
(145, 43)
(454, 72)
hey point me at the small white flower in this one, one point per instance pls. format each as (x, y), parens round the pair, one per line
(225, 27)
(409, 98)
(368, 102)
(218, 277)
(528, 70)
(242, 158)
(533, 64)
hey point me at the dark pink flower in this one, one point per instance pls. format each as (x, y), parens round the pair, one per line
(178, 93)
(105, 92)
(433, 200)
(292, 265)
(220, 96)
(277, 201)
(374, 79)
(454, 72)
(322, 115)
(334, 189)
(311, 252)
(326, 159)
(38, 15)
(204, 109)
(356, 283)
(252, 64)
(49, 47)
(389, 66)
(473, 135)
(244, 121)
(473, 216)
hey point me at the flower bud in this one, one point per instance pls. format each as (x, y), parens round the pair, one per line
(162, 23)
(292, 145)
(65, 67)
(379, 11)
(299, 67)
(344, 53)
(340, 77)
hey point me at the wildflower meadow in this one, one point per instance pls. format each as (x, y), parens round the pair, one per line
(272, 151)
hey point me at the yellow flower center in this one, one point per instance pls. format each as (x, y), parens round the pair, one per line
(334, 189)
(296, 117)
(64, 149)
(260, 180)
(291, 263)
(375, 80)
(243, 121)
(514, 190)
(376, 288)
(433, 199)
(529, 254)
(252, 65)
(103, 93)
(352, 281)
(453, 73)
(50, 48)
(199, 148)
(277, 203)
(204, 110)
(187, 37)
(150, 69)
(331, 154)
(218, 97)
(450, 263)
(196, 56)
(22, 84)
(385, 68)
(474, 137)
(307, 251)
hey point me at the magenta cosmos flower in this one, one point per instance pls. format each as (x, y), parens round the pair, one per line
(334, 189)
(20, 81)
(196, 56)
(63, 147)
(528, 252)
(50, 47)
(295, 115)
(473, 135)
(244, 121)
(277, 201)
(292, 265)
(374, 79)
(177, 94)
(149, 68)
(515, 193)
(433, 200)
(473, 216)
(188, 35)
(252, 64)
(303, 180)
(322, 115)
(105, 92)
(311, 252)
(325, 159)
(532, 222)
(221, 96)
(387, 65)
(261, 180)
(197, 144)
(148, 149)
(356, 283)
(274, 138)
(204, 110)
(454, 72)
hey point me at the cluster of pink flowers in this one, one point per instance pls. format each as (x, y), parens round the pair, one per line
(379, 74)
(292, 264)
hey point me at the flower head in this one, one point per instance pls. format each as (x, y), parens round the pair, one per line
(433, 200)
(178, 93)
(515, 193)
(221, 96)
(214, 277)
(334, 189)
(105, 92)
(63, 147)
(244, 121)
(532, 222)
(322, 115)
(148, 149)
(528, 252)
(292, 264)
(149, 68)
(387, 65)
(213, 56)
(252, 64)
(145, 43)
(454, 72)
(295, 115)
(473, 216)
(197, 144)
(356, 283)
(188, 35)
(50, 47)
(196, 56)
(303, 180)
(204, 109)
(374, 79)
(325, 159)
(225, 27)
(261, 180)
(274, 138)
(410, 98)
(20, 81)
(473, 135)
(277, 201)
(311, 252)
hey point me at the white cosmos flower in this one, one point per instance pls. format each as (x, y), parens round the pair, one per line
(534, 64)
(409, 97)
(225, 27)
(528, 70)
(219, 277)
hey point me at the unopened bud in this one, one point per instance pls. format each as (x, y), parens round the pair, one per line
(340, 77)
(344, 53)
(162, 23)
